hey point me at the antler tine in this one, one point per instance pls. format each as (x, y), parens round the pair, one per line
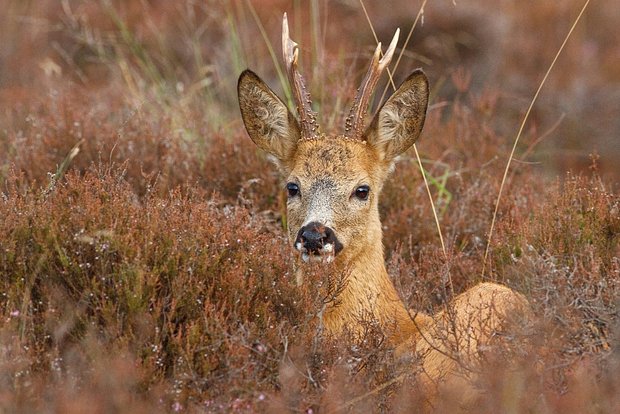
(307, 117)
(355, 121)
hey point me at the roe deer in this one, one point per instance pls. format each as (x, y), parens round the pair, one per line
(333, 185)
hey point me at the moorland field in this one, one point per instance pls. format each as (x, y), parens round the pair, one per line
(144, 265)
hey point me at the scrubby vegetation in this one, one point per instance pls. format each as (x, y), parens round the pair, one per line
(143, 262)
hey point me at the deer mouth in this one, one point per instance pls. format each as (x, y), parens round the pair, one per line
(317, 243)
(325, 254)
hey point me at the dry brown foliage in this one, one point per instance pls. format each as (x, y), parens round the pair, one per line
(149, 272)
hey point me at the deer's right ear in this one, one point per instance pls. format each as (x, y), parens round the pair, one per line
(267, 119)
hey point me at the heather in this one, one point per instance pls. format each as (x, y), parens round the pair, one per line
(144, 265)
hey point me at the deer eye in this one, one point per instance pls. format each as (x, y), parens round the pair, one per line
(361, 192)
(293, 189)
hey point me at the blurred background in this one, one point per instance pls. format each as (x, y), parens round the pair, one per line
(115, 59)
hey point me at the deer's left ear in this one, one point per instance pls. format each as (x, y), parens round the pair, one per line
(399, 122)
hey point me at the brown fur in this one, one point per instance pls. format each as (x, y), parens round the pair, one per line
(327, 171)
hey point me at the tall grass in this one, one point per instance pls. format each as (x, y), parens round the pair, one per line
(516, 141)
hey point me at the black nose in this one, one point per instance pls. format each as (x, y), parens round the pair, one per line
(314, 236)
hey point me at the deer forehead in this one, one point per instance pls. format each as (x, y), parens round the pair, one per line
(342, 160)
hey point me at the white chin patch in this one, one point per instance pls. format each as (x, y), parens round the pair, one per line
(326, 254)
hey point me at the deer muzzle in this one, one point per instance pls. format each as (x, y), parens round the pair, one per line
(317, 242)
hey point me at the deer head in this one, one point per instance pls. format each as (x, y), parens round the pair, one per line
(333, 181)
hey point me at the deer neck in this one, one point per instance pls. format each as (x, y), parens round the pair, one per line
(368, 296)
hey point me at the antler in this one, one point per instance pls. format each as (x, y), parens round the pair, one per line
(307, 117)
(355, 121)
